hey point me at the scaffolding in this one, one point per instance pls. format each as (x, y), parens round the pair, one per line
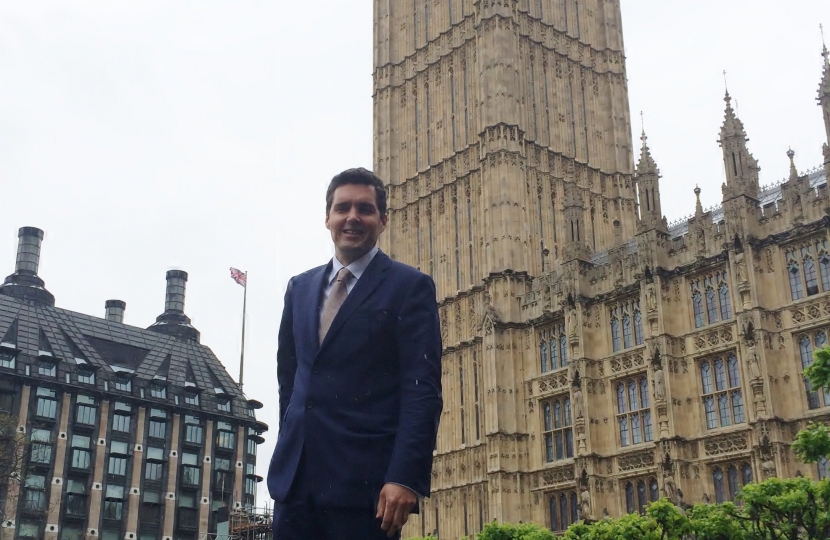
(243, 524)
(251, 524)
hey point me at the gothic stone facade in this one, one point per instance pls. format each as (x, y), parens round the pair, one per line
(135, 434)
(595, 357)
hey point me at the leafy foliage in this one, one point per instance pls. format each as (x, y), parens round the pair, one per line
(813, 442)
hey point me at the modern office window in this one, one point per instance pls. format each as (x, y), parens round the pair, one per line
(722, 401)
(123, 383)
(223, 404)
(76, 498)
(191, 471)
(35, 497)
(72, 532)
(158, 391)
(117, 465)
(223, 475)
(188, 514)
(558, 433)
(40, 452)
(122, 417)
(29, 529)
(47, 368)
(152, 510)
(81, 456)
(47, 403)
(8, 359)
(153, 471)
(86, 410)
(194, 433)
(157, 428)
(191, 398)
(225, 436)
(86, 375)
(7, 402)
(114, 502)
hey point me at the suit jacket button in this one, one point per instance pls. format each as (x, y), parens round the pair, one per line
(309, 404)
(316, 371)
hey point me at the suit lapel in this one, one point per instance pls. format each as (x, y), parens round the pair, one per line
(368, 282)
(312, 317)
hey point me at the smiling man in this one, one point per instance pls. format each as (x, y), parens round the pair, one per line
(359, 371)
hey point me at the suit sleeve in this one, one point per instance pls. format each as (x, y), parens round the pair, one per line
(419, 355)
(286, 352)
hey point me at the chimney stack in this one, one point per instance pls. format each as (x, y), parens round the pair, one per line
(115, 310)
(176, 283)
(173, 321)
(25, 284)
(28, 250)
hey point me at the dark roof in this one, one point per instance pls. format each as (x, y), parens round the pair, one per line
(113, 348)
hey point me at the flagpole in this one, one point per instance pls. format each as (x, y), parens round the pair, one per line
(242, 352)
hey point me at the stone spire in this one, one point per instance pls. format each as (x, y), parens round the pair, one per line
(648, 185)
(741, 168)
(793, 170)
(824, 100)
(698, 206)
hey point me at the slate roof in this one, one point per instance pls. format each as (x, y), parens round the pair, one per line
(112, 348)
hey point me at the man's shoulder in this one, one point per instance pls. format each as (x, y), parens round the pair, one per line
(405, 272)
(306, 276)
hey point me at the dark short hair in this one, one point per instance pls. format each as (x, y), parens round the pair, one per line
(362, 177)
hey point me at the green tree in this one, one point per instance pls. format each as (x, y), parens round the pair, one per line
(813, 442)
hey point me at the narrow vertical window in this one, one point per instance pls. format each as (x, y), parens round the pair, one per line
(810, 276)
(824, 271)
(711, 305)
(697, 305)
(629, 498)
(732, 482)
(626, 331)
(543, 353)
(615, 334)
(795, 281)
(717, 479)
(725, 302)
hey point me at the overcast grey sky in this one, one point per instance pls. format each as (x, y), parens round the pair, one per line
(145, 136)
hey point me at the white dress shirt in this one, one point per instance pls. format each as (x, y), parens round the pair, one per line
(356, 268)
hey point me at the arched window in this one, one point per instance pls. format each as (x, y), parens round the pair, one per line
(824, 270)
(805, 348)
(697, 305)
(711, 305)
(629, 498)
(738, 407)
(543, 353)
(732, 480)
(653, 490)
(558, 432)
(642, 500)
(632, 395)
(810, 276)
(574, 508)
(720, 375)
(638, 328)
(795, 281)
(621, 403)
(706, 377)
(822, 467)
(720, 492)
(627, 330)
(563, 345)
(554, 515)
(725, 302)
(746, 473)
(554, 354)
(564, 514)
(734, 377)
(644, 392)
(615, 334)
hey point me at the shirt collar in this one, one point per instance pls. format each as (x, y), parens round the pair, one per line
(356, 268)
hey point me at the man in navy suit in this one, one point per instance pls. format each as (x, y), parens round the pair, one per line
(359, 370)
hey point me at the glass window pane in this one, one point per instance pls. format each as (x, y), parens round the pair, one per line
(720, 492)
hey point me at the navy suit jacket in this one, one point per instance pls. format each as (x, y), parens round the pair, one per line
(362, 407)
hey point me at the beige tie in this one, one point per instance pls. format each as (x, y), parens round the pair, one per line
(337, 296)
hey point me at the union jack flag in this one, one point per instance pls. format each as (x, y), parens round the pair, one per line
(240, 277)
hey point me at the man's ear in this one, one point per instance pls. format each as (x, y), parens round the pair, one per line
(327, 220)
(383, 220)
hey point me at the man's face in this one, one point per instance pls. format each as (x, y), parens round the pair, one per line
(354, 221)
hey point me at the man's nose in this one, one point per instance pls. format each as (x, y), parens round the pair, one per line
(353, 215)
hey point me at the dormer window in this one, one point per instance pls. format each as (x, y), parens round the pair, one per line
(8, 355)
(224, 404)
(47, 367)
(158, 390)
(191, 396)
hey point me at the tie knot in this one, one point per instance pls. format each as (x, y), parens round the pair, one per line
(343, 274)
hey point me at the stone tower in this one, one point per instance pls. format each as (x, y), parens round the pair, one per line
(595, 357)
(503, 131)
